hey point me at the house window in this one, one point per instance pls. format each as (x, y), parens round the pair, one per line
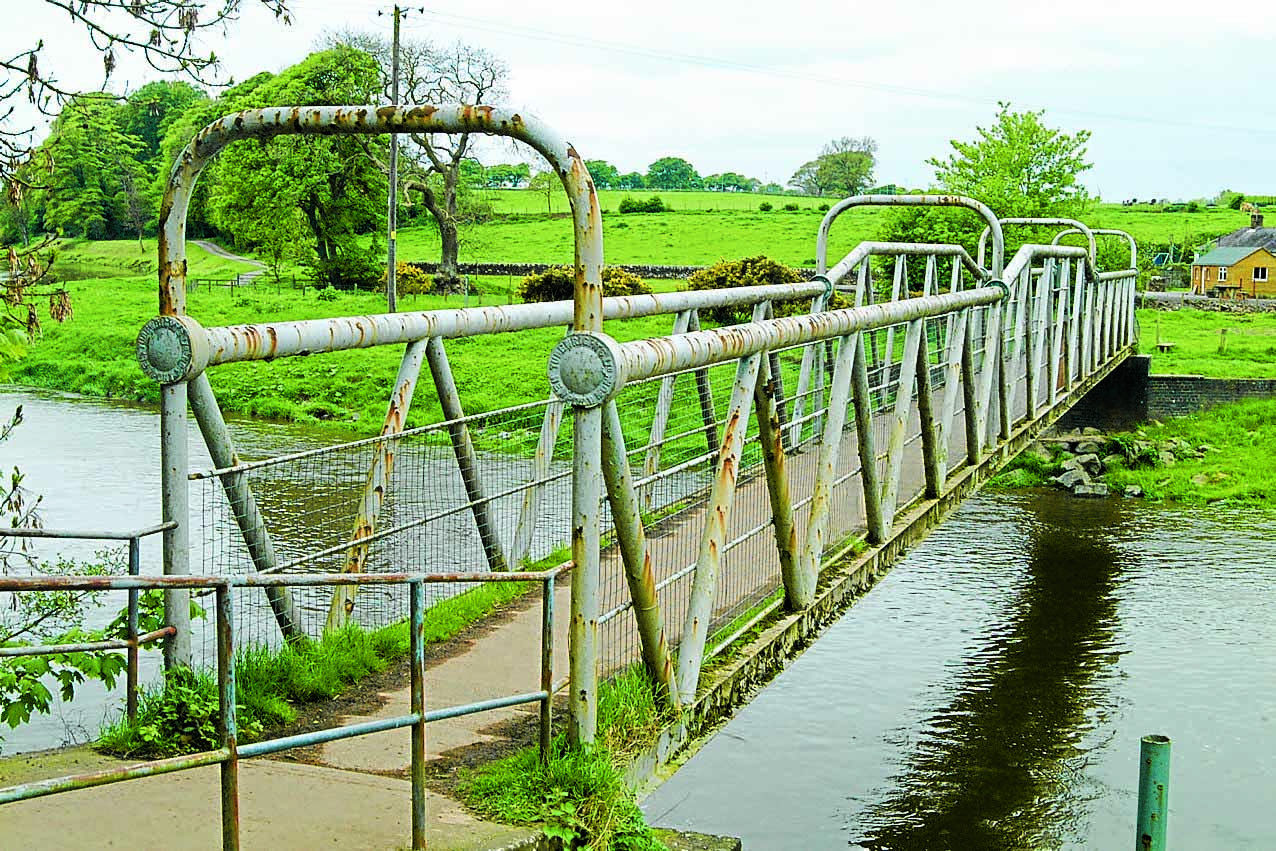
(1260, 274)
(1222, 273)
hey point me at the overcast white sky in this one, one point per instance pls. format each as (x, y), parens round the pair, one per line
(1176, 96)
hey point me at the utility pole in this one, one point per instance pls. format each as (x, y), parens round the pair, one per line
(392, 215)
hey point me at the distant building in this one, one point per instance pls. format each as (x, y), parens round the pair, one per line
(1235, 272)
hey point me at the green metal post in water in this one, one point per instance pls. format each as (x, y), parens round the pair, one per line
(1154, 793)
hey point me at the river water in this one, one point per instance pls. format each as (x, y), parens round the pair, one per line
(991, 692)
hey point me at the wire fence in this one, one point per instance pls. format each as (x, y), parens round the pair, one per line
(516, 511)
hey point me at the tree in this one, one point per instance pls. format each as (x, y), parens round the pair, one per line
(843, 168)
(337, 191)
(545, 183)
(459, 73)
(632, 180)
(1019, 166)
(506, 175)
(604, 174)
(164, 32)
(672, 173)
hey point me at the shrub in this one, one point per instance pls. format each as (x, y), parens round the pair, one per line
(558, 283)
(326, 294)
(409, 280)
(790, 207)
(823, 208)
(637, 205)
(748, 272)
(766, 206)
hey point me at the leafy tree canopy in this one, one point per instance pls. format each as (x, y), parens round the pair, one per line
(672, 173)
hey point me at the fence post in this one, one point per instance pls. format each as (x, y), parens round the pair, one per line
(229, 725)
(547, 666)
(1154, 793)
(416, 643)
(134, 569)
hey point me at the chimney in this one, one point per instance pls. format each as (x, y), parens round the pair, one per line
(1256, 220)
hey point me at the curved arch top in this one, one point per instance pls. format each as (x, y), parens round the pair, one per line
(1134, 247)
(376, 120)
(821, 243)
(1072, 224)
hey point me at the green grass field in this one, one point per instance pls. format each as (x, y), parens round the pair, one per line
(1249, 346)
(526, 201)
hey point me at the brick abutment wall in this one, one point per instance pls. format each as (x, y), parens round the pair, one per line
(1132, 395)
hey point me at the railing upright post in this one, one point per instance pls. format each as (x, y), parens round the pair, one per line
(932, 457)
(134, 569)
(660, 418)
(913, 346)
(799, 584)
(866, 443)
(416, 642)
(174, 456)
(1154, 785)
(704, 390)
(229, 723)
(635, 554)
(547, 667)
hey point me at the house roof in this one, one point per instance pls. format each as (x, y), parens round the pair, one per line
(1250, 238)
(1225, 256)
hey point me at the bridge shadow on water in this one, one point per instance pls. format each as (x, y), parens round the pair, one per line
(1002, 765)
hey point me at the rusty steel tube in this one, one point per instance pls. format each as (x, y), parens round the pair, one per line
(821, 242)
(662, 355)
(1073, 226)
(268, 340)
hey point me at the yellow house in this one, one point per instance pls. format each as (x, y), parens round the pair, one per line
(1235, 273)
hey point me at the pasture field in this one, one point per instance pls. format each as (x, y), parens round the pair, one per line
(1249, 346)
(677, 238)
(518, 201)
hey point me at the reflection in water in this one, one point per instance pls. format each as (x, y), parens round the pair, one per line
(1000, 765)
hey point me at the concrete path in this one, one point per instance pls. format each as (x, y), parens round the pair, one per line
(217, 251)
(348, 802)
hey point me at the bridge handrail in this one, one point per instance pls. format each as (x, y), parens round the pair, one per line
(1134, 247)
(1047, 221)
(230, 751)
(821, 241)
(1027, 254)
(655, 356)
(859, 253)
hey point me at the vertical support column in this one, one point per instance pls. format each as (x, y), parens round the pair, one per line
(582, 699)
(175, 495)
(721, 498)
(830, 450)
(806, 373)
(341, 606)
(704, 390)
(635, 554)
(1076, 318)
(463, 448)
(547, 667)
(134, 569)
(878, 530)
(228, 720)
(899, 420)
(932, 457)
(416, 648)
(243, 505)
(970, 395)
(1056, 313)
(1154, 793)
(953, 385)
(660, 419)
(799, 585)
(529, 511)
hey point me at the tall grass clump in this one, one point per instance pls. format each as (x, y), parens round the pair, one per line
(579, 795)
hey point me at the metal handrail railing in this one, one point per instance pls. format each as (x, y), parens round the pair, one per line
(132, 640)
(230, 751)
